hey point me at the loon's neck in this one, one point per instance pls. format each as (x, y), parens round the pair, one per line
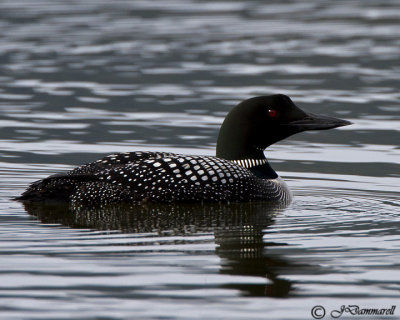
(245, 154)
(237, 143)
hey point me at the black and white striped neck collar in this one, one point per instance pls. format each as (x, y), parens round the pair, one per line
(250, 163)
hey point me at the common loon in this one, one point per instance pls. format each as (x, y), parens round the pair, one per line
(239, 172)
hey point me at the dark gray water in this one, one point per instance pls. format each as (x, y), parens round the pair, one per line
(82, 79)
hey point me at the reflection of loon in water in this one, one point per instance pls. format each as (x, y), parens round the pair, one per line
(240, 172)
(238, 230)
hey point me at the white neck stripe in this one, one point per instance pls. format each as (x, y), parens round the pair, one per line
(249, 163)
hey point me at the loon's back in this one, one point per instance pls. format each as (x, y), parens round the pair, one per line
(158, 177)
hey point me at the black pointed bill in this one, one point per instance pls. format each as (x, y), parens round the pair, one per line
(317, 122)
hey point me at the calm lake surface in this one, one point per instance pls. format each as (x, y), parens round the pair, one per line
(83, 79)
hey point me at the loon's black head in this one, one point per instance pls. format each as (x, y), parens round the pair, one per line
(256, 123)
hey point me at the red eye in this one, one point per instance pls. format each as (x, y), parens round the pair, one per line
(272, 113)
